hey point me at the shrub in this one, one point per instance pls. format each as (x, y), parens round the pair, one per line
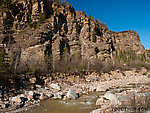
(143, 57)
(101, 38)
(5, 4)
(122, 55)
(93, 37)
(48, 61)
(4, 63)
(90, 17)
(55, 12)
(42, 17)
(30, 22)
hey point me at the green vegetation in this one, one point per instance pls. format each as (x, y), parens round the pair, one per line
(93, 37)
(5, 4)
(30, 22)
(42, 17)
(96, 21)
(65, 52)
(122, 55)
(55, 12)
(57, 2)
(32, 70)
(34, 24)
(48, 61)
(143, 57)
(4, 63)
(101, 38)
(90, 17)
(126, 56)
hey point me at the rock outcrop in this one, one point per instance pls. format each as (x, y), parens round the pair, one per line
(28, 40)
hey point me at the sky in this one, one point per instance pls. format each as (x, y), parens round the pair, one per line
(119, 15)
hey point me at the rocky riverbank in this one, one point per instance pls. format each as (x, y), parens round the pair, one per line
(120, 88)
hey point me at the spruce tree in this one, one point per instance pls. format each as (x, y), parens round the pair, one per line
(4, 64)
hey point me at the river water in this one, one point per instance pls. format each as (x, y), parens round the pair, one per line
(84, 104)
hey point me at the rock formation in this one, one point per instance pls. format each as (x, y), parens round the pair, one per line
(33, 29)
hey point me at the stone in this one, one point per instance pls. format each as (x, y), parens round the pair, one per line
(112, 97)
(42, 96)
(5, 105)
(102, 88)
(60, 95)
(55, 96)
(32, 80)
(22, 95)
(143, 70)
(55, 86)
(124, 100)
(31, 94)
(92, 88)
(46, 88)
(1, 100)
(38, 86)
(100, 101)
(119, 90)
(50, 95)
(16, 99)
(71, 94)
(96, 111)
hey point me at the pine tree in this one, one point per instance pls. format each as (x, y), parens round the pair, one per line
(4, 64)
(42, 17)
(65, 56)
(93, 37)
(90, 17)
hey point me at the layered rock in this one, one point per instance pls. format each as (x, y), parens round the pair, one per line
(63, 29)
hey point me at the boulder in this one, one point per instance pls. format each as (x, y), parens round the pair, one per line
(32, 80)
(16, 99)
(1, 100)
(50, 95)
(5, 105)
(102, 88)
(112, 97)
(96, 111)
(31, 94)
(71, 94)
(42, 96)
(55, 86)
(100, 101)
(38, 86)
(92, 88)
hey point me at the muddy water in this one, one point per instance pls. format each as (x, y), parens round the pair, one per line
(84, 104)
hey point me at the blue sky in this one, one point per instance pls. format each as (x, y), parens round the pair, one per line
(119, 15)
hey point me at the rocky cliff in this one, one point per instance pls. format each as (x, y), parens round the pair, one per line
(34, 29)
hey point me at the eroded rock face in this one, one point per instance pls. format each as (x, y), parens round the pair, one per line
(64, 28)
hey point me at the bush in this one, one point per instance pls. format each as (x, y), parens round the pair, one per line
(93, 37)
(5, 4)
(42, 17)
(4, 63)
(57, 2)
(90, 17)
(55, 12)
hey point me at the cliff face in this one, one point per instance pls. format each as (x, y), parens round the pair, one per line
(64, 29)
